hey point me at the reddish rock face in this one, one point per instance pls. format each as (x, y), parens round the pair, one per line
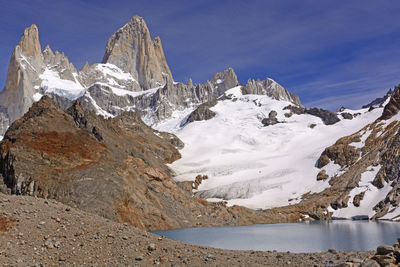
(83, 159)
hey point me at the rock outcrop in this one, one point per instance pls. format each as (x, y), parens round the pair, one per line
(270, 88)
(328, 117)
(380, 100)
(99, 165)
(224, 81)
(387, 255)
(271, 120)
(202, 112)
(132, 50)
(347, 115)
(393, 107)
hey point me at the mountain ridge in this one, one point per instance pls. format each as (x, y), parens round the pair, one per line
(132, 62)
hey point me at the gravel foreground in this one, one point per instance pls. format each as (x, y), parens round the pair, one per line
(39, 232)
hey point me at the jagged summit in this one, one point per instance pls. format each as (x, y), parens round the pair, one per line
(25, 63)
(29, 44)
(134, 75)
(225, 80)
(132, 50)
(380, 101)
(271, 88)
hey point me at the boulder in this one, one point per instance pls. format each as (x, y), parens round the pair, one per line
(328, 117)
(271, 120)
(322, 175)
(347, 115)
(357, 199)
(385, 249)
(202, 112)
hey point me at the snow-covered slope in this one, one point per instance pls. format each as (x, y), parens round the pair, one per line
(370, 162)
(252, 165)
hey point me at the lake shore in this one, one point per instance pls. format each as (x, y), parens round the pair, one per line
(38, 232)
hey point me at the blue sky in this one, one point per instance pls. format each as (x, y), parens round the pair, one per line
(330, 53)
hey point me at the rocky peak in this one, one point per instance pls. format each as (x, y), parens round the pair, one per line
(59, 63)
(225, 80)
(190, 82)
(393, 107)
(378, 102)
(271, 88)
(29, 44)
(47, 52)
(132, 50)
(86, 66)
(22, 76)
(45, 106)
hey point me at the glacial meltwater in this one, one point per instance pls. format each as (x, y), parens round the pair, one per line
(344, 235)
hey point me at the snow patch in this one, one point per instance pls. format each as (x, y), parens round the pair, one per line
(113, 71)
(52, 83)
(37, 97)
(333, 169)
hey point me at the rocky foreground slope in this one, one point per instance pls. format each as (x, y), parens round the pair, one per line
(38, 232)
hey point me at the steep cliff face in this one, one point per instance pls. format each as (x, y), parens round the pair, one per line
(25, 65)
(132, 50)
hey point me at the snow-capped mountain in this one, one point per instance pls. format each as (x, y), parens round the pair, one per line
(256, 144)
(133, 75)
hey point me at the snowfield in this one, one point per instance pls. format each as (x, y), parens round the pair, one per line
(252, 165)
(52, 83)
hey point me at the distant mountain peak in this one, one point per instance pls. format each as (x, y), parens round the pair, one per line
(131, 49)
(393, 106)
(29, 43)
